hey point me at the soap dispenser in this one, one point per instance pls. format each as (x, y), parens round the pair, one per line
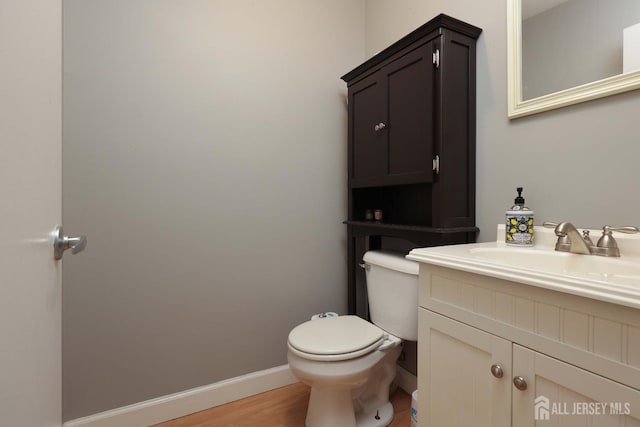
(519, 223)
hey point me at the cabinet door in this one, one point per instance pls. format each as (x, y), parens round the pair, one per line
(367, 109)
(559, 394)
(410, 117)
(455, 381)
(391, 123)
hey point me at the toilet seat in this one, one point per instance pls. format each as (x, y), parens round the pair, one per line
(337, 338)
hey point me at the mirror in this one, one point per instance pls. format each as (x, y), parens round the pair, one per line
(562, 52)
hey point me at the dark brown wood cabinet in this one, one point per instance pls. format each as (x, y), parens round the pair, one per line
(392, 117)
(411, 150)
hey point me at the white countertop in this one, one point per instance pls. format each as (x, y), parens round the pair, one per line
(615, 280)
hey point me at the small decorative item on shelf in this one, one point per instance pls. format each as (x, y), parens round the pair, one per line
(368, 215)
(377, 215)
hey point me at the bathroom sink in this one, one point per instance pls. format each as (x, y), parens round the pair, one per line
(609, 279)
(559, 262)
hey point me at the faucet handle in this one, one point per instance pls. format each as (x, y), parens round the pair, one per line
(563, 244)
(607, 229)
(607, 240)
(607, 245)
(549, 224)
(562, 236)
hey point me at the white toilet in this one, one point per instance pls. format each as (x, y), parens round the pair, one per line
(350, 363)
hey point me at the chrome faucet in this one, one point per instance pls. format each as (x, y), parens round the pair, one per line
(570, 240)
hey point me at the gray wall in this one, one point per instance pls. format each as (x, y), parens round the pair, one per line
(205, 158)
(578, 163)
(204, 150)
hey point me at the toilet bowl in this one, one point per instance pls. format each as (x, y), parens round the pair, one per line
(350, 363)
(343, 392)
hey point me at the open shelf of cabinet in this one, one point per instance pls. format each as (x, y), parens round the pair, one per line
(413, 233)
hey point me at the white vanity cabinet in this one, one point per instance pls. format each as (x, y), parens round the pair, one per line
(578, 358)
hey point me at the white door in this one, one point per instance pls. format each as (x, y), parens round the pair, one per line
(30, 207)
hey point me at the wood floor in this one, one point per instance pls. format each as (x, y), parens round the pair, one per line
(283, 407)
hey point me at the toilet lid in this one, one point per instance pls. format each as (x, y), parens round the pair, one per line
(335, 335)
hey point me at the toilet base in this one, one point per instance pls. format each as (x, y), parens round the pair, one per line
(378, 418)
(330, 408)
(333, 408)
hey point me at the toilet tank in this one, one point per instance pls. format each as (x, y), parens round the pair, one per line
(392, 289)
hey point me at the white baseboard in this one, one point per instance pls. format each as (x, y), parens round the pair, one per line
(406, 380)
(200, 398)
(187, 402)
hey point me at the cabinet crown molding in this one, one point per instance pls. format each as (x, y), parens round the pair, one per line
(439, 23)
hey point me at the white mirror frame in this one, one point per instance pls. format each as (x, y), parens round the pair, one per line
(586, 92)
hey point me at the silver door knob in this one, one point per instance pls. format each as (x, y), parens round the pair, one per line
(61, 243)
(379, 127)
(520, 383)
(496, 370)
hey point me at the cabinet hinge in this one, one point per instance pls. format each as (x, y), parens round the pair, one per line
(436, 58)
(436, 164)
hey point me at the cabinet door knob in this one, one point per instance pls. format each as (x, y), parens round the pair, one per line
(379, 127)
(520, 383)
(496, 370)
